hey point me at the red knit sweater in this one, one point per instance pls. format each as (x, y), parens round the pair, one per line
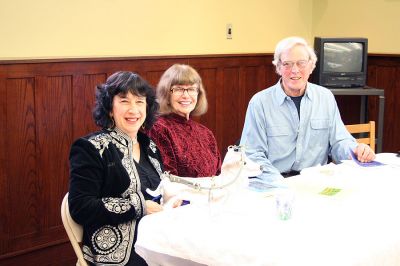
(188, 148)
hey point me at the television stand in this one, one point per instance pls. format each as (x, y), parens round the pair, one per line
(364, 92)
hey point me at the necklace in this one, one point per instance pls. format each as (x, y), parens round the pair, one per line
(134, 140)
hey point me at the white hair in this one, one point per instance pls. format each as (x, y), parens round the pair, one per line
(287, 44)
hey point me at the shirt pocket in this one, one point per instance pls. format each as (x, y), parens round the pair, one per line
(320, 124)
(320, 132)
(278, 139)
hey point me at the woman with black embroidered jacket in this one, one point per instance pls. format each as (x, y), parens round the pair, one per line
(111, 169)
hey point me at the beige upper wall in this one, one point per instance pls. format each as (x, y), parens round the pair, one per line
(100, 28)
(97, 28)
(377, 20)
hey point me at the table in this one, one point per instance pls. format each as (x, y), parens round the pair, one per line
(364, 93)
(357, 226)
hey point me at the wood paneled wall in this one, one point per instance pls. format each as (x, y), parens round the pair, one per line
(45, 105)
(384, 73)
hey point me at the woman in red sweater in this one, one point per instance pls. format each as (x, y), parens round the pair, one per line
(188, 148)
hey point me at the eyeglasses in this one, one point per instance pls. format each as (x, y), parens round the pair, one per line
(179, 90)
(288, 65)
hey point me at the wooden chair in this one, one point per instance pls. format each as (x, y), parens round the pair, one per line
(364, 128)
(74, 231)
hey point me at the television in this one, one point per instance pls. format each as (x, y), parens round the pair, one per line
(342, 62)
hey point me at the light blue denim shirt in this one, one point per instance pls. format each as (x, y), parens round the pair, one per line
(275, 137)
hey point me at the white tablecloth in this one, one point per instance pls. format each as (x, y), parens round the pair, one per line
(357, 226)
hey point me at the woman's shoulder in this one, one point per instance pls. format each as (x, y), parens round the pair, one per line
(201, 130)
(163, 124)
(101, 135)
(95, 139)
(93, 144)
(200, 125)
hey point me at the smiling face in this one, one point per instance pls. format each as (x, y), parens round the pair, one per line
(183, 99)
(295, 68)
(129, 113)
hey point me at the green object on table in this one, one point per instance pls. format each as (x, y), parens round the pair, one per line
(330, 191)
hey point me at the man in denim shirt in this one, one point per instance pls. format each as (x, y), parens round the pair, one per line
(296, 124)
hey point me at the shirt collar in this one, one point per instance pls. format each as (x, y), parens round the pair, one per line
(281, 95)
(309, 91)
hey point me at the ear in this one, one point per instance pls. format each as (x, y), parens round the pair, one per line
(279, 70)
(312, 70)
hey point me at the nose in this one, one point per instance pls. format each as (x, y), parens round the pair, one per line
(185, 91)
(295, 68)
(132, 108)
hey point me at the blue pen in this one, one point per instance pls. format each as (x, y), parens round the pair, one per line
(185, 202)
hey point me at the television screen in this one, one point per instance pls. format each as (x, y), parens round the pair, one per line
(342, 62)
(343, 57)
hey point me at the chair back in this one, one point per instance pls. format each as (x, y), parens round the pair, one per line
(364, 128)
(74, 231)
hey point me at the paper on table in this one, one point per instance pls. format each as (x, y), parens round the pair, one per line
(259, 186)
(367, 164)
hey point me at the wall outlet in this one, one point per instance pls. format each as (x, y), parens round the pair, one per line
(229, 31)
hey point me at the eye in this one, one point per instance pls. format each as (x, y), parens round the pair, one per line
(141, 100)
(302, 63)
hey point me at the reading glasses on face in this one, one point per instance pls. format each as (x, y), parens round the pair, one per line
(301, 64)
(192, 91)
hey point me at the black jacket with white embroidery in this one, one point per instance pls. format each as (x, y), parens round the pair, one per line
(105, 193)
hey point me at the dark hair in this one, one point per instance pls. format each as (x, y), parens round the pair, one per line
(122, 82)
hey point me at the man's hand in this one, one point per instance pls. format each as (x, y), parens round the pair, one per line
(364, 153)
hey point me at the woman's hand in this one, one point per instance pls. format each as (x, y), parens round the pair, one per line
(153, 207)
(172, 203)
(177, 203)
